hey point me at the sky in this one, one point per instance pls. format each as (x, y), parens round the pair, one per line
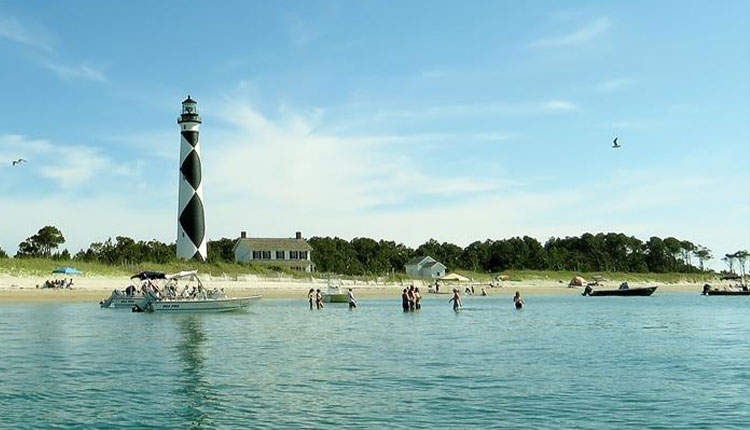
(386, 119)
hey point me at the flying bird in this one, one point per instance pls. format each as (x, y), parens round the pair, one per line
(17, 162)
(615, 144)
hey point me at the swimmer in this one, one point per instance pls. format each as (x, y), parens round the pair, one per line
(456, 299)
(518, 301)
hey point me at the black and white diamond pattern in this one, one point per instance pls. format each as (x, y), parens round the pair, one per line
(191, 229)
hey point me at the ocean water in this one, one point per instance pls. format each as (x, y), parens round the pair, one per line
(666, 361)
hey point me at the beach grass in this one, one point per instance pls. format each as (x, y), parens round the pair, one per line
(44, 267)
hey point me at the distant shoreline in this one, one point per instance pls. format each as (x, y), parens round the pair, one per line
(22, 289)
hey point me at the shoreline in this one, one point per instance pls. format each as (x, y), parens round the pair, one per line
(22, 289)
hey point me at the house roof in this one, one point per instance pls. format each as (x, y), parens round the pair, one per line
(275, 244)
(416, 260)
(429, 264)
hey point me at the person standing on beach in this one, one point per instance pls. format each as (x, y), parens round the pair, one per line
(456, 299)
(405, 301)
(352, 300)
(310, 297)
(318, 299)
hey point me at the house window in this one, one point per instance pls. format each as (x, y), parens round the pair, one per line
(279, 255)
(292, 255)
(266, 255)
(303, 255)
(256, 255)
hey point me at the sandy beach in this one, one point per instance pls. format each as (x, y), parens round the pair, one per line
(94, 288)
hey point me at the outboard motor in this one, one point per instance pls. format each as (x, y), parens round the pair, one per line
(587, 291)
(706, 289)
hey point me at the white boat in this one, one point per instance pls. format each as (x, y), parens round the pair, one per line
(334, 294)
(200, 301)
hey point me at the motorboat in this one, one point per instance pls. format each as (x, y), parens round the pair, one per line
(334, 293)
(740, 290)
(131, 296)
(627, 291)
(195, 299)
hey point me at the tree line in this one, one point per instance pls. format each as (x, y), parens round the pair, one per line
(603, 252)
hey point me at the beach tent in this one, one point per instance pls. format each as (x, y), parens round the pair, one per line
(455, 277)
(577, 281)
(67, 271)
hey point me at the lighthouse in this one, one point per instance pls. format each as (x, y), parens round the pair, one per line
(191, 222)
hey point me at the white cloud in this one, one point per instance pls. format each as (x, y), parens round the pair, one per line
(13, 30)
(583, 35)
(613, 84)
(300, 32)
(69, 166)
(79, 71)
(560, 106)
(301, 168)
(494, 108)
(38, 38)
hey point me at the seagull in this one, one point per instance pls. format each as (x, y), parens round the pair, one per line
(615, 144)
(19, 161)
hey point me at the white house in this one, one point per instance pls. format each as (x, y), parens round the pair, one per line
(425, 267)
(290, 253)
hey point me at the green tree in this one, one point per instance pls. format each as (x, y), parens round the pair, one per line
(42, 244)
(221, 250)
(742, 258)
(703, 254)
(3, 254)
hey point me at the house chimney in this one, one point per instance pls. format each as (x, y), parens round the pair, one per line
(243, 235)
(298, 235)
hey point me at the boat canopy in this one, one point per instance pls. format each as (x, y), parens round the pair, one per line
(189, 274)
(147, 274)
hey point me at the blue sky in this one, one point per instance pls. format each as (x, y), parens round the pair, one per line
(398, 120)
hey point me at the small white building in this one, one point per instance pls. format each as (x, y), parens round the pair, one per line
(289, 253)
(425, 267)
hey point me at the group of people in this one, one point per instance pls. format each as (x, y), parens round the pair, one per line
(58, 284)
(171, 291)
(411, 300)
(316, 297)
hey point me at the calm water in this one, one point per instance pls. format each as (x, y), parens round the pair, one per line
(667, 361)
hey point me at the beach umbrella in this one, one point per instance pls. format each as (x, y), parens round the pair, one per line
(67, 271)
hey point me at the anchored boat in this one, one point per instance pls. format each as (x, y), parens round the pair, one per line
(334, 294)
(740, 290)
(197, 299)
(638, 291)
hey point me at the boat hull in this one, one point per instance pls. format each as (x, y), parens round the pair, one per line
(726, 293)
(335, 298)
(630, 292)
(123, 302)
(228, 304)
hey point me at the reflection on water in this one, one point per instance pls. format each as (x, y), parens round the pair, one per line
(194, 389)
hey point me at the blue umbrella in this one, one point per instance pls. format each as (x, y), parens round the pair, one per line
(67, 271)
